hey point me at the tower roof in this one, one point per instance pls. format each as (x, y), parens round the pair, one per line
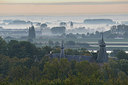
(31, 27)
(101, 42)
(102, 55)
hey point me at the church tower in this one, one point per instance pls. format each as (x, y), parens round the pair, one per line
(71, 24)
(102, 55)
(32, 34)
(62, 54)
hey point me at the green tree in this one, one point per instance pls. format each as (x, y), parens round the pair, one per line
(21, 49)
(57, 69)
(3, 47)
(18, 72)
(34, 73)
(122, 55)
(123, 66)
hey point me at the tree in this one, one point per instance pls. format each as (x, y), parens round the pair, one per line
(50, 70)
(4, 65)
(123, 65)
(115, 52)
(21, 49)
(34, 73)
(3, 47)
(43, 26)
(122, 55)
(58, 30)
(56, 69)
(18, 72)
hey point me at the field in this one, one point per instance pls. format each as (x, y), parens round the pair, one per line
(111, 44)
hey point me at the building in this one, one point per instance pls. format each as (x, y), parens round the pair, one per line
(71, 24)
(32, 34)
(70, 57)
(43, 26)
(102, 54)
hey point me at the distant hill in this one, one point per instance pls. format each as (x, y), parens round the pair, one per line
(16, 22)
(99, 21)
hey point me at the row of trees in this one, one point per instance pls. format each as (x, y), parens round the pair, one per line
(23, 49)
(15, 71)
(119, 31)
(20, 49)
(18, 67)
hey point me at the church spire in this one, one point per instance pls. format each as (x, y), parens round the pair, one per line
(102, 43)
(102, 36)
(102, 54)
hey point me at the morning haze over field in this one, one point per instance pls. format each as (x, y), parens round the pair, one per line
(63, 42)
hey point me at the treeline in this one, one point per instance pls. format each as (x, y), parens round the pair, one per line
(119, 31)
(15, 71)
(22, 63)
(22, 49)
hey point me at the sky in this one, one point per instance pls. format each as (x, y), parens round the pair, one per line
(55, 1)
(63, 7)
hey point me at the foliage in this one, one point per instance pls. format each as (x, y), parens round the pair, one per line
(58, 30)
(21, 49)
(63, 72)
(18, 67)
(122, 55)
(3, 47)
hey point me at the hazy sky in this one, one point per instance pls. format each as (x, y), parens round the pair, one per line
(54, 1)
(63, 7)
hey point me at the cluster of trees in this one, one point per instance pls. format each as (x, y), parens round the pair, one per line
(119, 31)
(58, 30)
(122, 55)
(74, 36)
(18, 67)
(119, 54)
(15, 71)
(22, 49)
